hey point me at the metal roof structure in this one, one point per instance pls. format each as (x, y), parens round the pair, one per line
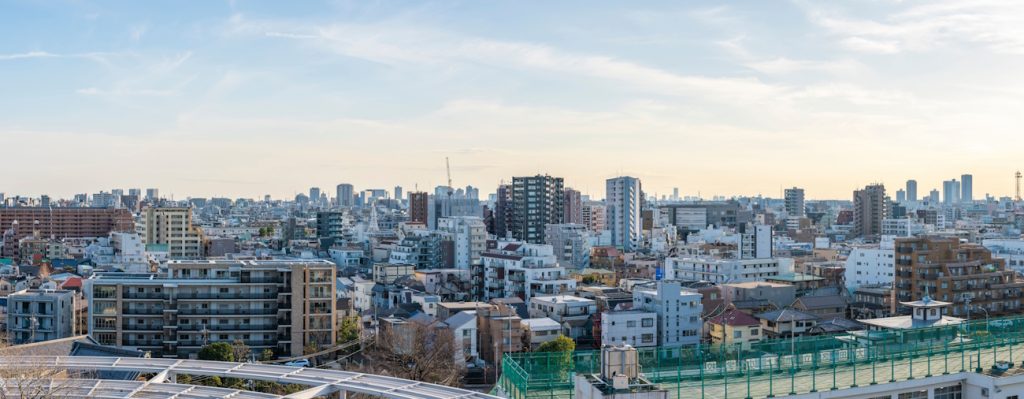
(320, 382)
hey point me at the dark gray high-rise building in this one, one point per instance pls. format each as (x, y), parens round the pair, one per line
(966, 188)
(573, 206)
(502, 207)
(911, 190)
(536, 202)
(794, 202)
(419, 203)
(345, 195)
(869, 208)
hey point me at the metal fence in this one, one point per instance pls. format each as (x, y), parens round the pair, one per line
(781, 367)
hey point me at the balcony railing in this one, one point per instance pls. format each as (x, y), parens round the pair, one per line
(207, 295)
(144, 311)
(227, 311)
(227, 327)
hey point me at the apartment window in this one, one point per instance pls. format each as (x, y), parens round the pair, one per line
(737, 334)
(631, 323)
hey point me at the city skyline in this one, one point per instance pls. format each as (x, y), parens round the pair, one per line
(233, 98)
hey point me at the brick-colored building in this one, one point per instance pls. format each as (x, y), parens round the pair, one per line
(963, 274)
(58, 223)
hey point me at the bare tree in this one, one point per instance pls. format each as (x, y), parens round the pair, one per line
(32, 381)
(416, 351)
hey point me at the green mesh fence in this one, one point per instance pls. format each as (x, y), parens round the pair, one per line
(780, 367)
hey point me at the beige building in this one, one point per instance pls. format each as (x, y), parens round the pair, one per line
(282, 305)
(171, 227)
(734, 328)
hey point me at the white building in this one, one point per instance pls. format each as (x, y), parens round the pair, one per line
(622, 198)
(870, 265)
(541, 330)
(469, 234)
(345, 257)
(631, 327)
(571, 312)
(719, 270)
(1009, 249)
(428, 302)
(517, 269)
(464, 331)
(679, 311)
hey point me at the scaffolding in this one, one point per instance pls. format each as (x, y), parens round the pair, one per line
(780, 367)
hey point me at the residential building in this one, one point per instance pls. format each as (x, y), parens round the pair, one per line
(734, 328)
(573, 207)
(281, 305)
(330, 228)
(171, 228)
(571, 244)
(758, 295)
(502, 211)
(17, 223)
(469, 235)
(593, 216)
(679, 311)
(824, 307)
(1009, 250)
(387, 273)
(419, 202)
(536, 202)
(500, 330)
(966, 188)
(152, 195)
(540, 330)
(912, 190)
(967, 275)
(622, 199)
(786, 322)
(36, 315)
(870, 265)
(636, 328)
(524, 270)
(794, 202)
(950, 192)
(464, 331)
(718, 270)
(571, 312)
(869, 208)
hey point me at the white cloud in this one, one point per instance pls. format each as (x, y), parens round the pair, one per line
(30, 54)
(784, 65)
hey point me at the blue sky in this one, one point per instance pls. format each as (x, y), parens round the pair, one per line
(245, 98)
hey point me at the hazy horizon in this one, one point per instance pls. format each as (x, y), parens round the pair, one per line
(246, 98)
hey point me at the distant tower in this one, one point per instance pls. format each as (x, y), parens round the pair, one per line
(966, 188)
(912, 190)
(1018, 175)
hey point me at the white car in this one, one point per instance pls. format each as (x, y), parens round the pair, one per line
(298, 363)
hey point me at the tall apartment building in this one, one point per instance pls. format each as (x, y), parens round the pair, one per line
(571, 244)
(794, 202)
(152, 195)
(965, 274)
(345, 194)
(469, 236)
(59, 223)
(869, 208)
(950, 192)
(911, 190)
(173, 228)
(966, 188)
(40, 315)
(536, 202)
(330, 228)
(573, 206)
(678, 309)
(282, 305)
(622, 199)
(419, 201)
(593, 216)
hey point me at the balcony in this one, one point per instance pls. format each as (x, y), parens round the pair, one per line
(144, 311)
(228, 312)
(144, 342)
(142, 327)
(259, 280)
(144, 295)
(227, 327)
(227, 296)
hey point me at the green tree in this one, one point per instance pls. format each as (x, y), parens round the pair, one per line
(217, 351)
(560, 344)
(349, 329)
(266, 355)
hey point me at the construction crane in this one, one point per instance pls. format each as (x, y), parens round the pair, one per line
(1017, 176)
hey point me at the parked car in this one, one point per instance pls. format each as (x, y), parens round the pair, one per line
(298, 363)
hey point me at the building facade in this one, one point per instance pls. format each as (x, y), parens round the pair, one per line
(281, 305)
(536, 202)
(173, 228)
(622, 199)
(38, 315)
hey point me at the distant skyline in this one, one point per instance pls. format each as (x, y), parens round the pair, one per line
(246, 98)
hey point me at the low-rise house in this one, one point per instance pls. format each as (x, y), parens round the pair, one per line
(786, 322)
(572, 312)
(540, 330)
(464, 331)
(824, 307)
(734, 328)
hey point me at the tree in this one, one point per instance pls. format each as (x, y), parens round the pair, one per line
(349, 330)
(217, 351)
(240, 351)
(415, 351)
(560, 350)
(560, 344)
(266, 355)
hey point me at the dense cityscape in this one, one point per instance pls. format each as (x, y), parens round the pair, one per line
(472, 287)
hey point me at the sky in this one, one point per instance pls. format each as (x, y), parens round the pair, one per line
(246, 98)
